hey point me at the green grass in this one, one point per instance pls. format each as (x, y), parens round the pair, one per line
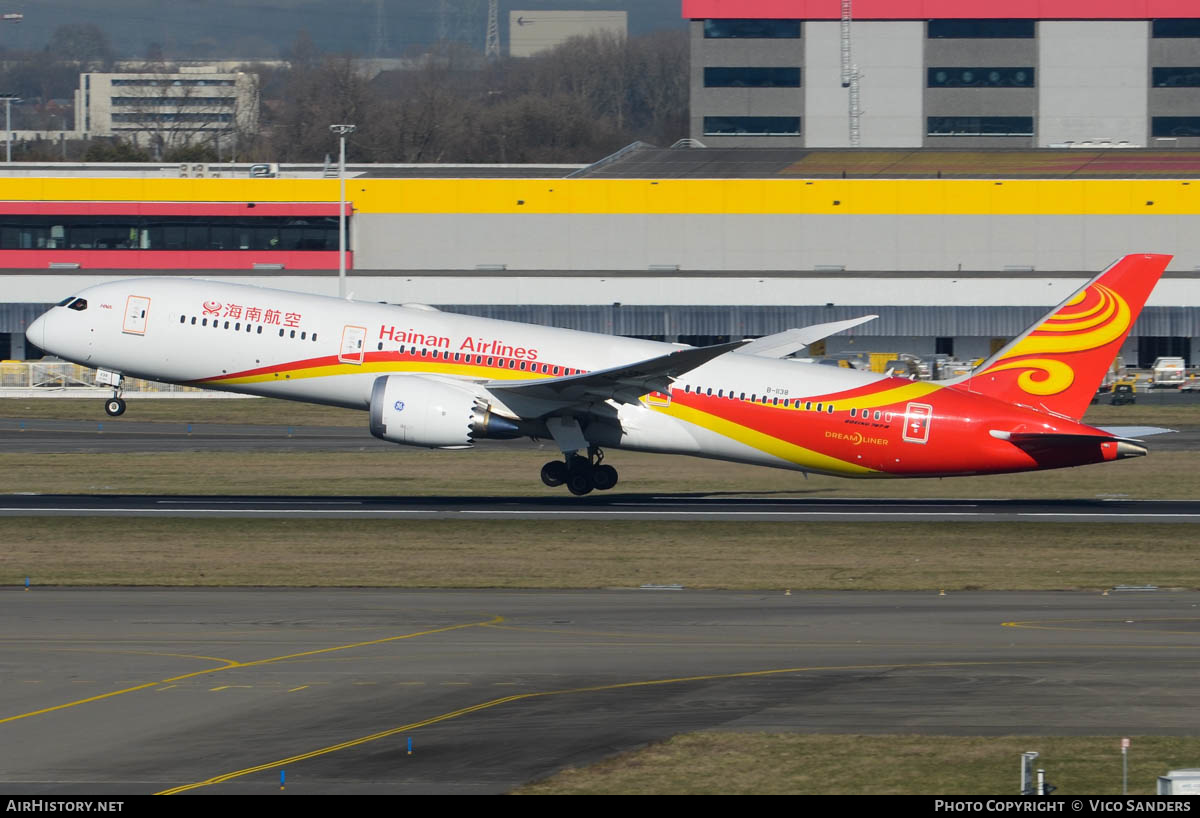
(256, 411)
(715, 763)
(513, 471)
(532, 554)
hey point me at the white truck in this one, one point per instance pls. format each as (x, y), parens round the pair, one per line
(1169, 372)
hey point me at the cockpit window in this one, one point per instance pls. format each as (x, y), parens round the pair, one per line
(65, 301)
(79, 304)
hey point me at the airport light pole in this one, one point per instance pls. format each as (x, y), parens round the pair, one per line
(342, 131)
(9, 99)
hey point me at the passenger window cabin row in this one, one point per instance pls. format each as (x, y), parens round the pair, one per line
(765, 400)
(236, 326)
(486, 360)
(795, 403)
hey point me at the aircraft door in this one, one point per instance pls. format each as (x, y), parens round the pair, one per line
(917, 418)
(137, 310)
(352, 349)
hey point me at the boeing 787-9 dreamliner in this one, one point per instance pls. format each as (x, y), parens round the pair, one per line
(439, 380)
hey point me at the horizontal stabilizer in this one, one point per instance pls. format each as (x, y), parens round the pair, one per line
(783, 344)
(1132, 432)
(1042, 443)
(625, 383)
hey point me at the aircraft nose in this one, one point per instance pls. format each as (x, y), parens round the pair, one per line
(35, 333)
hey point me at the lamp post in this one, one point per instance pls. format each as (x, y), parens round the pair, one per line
(342, 131)
(9, 99)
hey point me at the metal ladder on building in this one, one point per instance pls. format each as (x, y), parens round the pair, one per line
(850, 76)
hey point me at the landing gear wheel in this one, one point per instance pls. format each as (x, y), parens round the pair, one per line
(579, 482)
(554, 473)
(604, 477)
(114, 406)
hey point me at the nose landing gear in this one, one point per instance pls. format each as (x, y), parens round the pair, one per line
(115, 405)
(581, 474)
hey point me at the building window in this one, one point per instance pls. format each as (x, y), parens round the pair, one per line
(149, 117)
(980, 29)
(981, 77)
(1175, 126)
(1177, 77)
(1180, 27)
(751, 126)
(752, 29)
(134, 232)
(167, 82)
(721, 77)
(979, 126)
(146, 103)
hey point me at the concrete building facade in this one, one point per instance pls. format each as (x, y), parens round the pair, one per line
(532, 32)
(969, 74)
(168, 108)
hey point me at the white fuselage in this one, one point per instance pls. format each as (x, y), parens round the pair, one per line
(326, 350)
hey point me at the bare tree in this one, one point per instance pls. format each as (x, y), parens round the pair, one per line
(332, 91)
(83, 44)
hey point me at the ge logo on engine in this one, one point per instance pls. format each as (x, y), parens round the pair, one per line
(399, 406)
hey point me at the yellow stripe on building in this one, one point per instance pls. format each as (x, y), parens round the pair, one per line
(643, 196)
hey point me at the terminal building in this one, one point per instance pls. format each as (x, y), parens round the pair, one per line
(936, 74)
(955, 251)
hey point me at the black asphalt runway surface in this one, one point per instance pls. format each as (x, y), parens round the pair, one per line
(598, 507)
(220, 690)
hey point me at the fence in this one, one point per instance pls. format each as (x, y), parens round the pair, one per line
(62, 379)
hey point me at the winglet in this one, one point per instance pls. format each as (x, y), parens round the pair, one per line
(783, 344)
(1057, 364)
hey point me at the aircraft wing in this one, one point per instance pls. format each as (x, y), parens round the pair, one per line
(783, 344)
(625, 383)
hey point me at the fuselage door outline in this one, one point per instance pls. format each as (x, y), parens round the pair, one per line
(918, 417)
(352, 349)
(137, 311)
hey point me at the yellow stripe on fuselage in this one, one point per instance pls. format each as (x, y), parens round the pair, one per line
(788, 452)
(913, 390)
(472, 371)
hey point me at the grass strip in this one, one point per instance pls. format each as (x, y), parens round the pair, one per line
(257, 411)
(712, 763)
(502, 471)
(533, 554)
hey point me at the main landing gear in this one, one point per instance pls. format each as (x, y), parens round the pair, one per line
(580, 474)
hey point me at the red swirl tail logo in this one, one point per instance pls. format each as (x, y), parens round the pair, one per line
(1091, 320)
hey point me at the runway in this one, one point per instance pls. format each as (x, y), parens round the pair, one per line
(217, 690)
(598, 507)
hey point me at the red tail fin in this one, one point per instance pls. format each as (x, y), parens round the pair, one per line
(1058, 364)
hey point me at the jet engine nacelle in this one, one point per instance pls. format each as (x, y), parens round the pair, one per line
(422, 411)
